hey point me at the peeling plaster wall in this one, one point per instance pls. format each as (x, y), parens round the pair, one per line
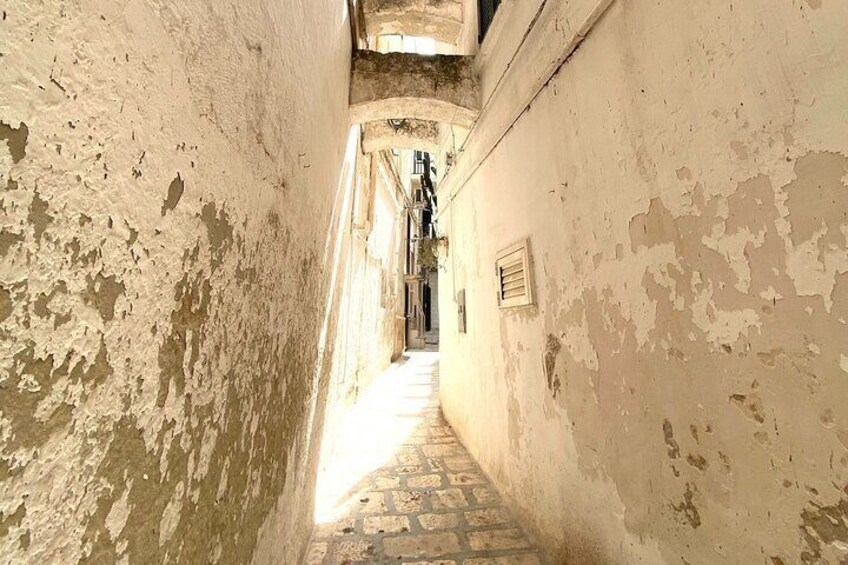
(678, 393)
(168, 178)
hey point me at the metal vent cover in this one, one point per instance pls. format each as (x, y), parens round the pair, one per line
(514, 276)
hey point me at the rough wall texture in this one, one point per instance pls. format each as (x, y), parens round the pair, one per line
(439, 19)
(410, 134)
(451, 9)
(167, 174)
(677, 395)
(439, 88)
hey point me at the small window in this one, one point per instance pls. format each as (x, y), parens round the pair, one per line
(418, 163)
(514, 272)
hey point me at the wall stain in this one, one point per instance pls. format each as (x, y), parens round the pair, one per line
(698, 462)
(13, 520)
(41, 305)
(38, 216)
(823, 525)
(552, 349)
(672, 448)
(219, 232)
(16, 139)
(175, 192)
(818, 199)
(750, 405)
(6, 304)
(77, 258)
(32, 379)
(688, 508)
(731, 283)
(102, 292)
(7, 240)
(193, 299)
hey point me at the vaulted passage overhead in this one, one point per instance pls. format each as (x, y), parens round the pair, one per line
(439, 19)
(440, 88)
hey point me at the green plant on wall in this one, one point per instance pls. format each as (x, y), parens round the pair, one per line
(430, 249)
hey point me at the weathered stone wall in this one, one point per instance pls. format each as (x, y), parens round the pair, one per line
(168, 174)
(439, 88)
(678, 393)
(439, 19)
(416, 135)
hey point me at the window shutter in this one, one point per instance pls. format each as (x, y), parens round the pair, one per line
(514, 273)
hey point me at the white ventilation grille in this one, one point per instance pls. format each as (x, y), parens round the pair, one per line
(515, 281)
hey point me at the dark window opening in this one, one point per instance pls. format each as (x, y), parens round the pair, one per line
(428, 310)
(487, 9)
(419, 165)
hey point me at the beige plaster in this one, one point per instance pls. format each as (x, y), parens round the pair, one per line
(168, 179)
(676, 394)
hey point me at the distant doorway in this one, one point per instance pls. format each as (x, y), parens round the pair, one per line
(431, 310)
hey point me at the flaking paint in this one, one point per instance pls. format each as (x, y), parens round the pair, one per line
(684, 188)
(161, 282)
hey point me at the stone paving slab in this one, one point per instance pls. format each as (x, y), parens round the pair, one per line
(430, 504)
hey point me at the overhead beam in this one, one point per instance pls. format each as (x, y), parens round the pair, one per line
(438, 88)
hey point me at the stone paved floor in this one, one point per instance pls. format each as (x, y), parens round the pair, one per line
(426, 502)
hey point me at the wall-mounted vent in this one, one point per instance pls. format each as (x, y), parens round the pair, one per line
(515, 278)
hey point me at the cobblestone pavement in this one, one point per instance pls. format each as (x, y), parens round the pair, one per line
(429, 503)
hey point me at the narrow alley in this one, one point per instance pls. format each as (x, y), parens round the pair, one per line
(423, 282)
(402, 489)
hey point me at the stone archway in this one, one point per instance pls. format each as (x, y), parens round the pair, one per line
(439, 88)
(419, 135)
(439, 19)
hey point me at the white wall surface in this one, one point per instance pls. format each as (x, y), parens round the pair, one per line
(676, 395)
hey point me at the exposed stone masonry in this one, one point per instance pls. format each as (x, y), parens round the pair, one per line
(419, 135)
(439, 19)
(441, 88)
